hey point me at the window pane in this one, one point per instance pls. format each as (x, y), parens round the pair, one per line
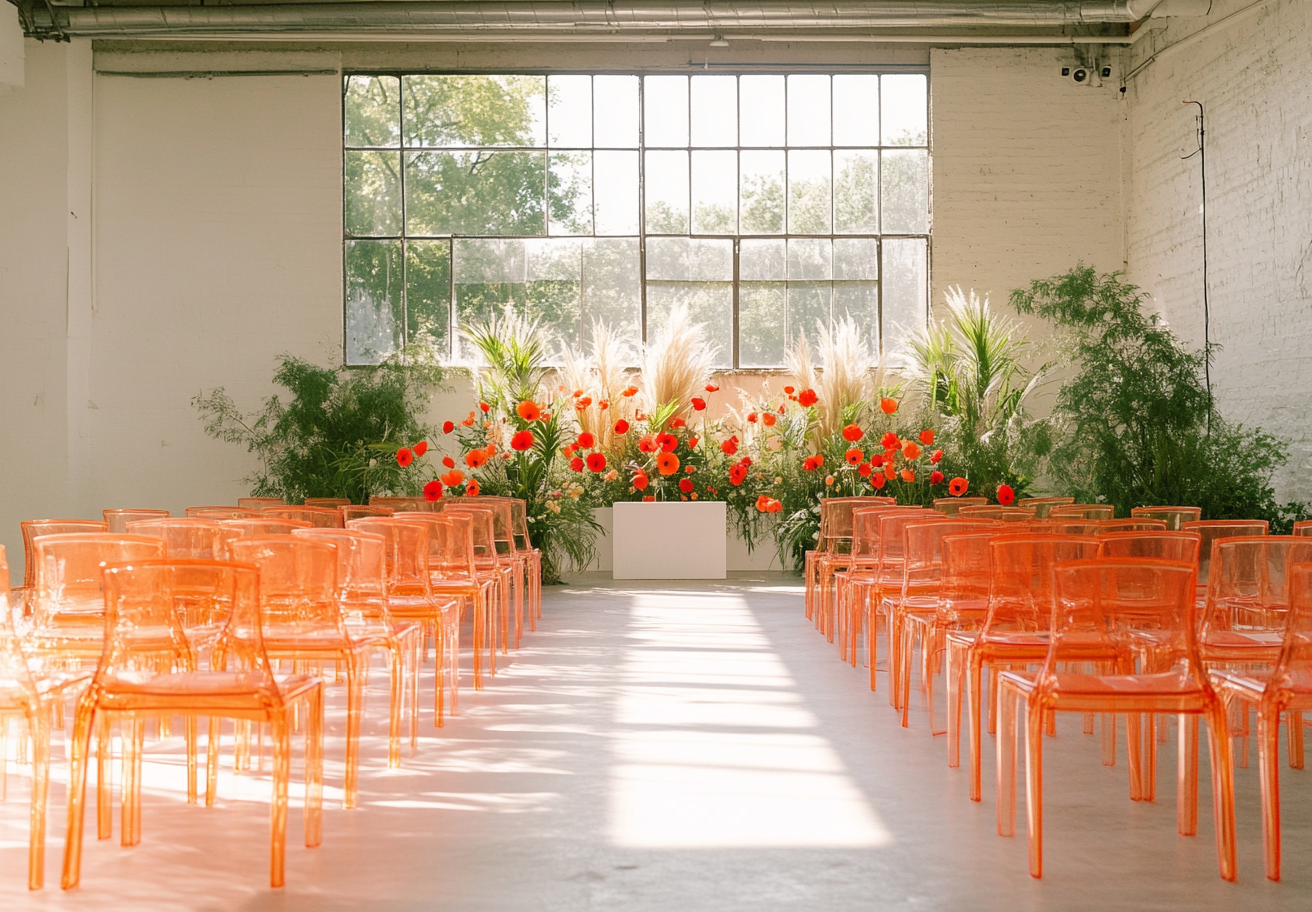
(667, 192)
(856, 191)
(373, 300)
(540, 278)
(808, 192)
(665, 104)
(428, 293)
(474, 110)
(808, 110)
(761, 193)
(569, 111)
(714, 200)
(905, 191)
(373, 111)
(860, 301)
(714, 111)
(905, 110)
(698, 274)
(761, 315)
(762, 261)
(906, 270)
(373, 193)
(808, 309)
(761, 100)
(569, 188)
(615, 183)
(612, 279)
(808, 258)
(856, 258)
(475, 193)
(615, 107)
(856, 110)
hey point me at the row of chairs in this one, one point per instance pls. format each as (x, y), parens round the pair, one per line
(1159, 614)
(182, 617)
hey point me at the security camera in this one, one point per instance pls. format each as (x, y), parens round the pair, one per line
(1081, 75)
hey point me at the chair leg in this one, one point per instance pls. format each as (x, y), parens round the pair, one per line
(134, 733)
(1295, 723)
(396, 661)
(212, 763)
(104, 789)
(1186, 792)
(974, 693)
(278, 807)
(1223, 791)
(1034, 724)
(39, 725)
(1268, 759)
(955, 672)
(84, 720)
(314, 769)
(354, 712)
(1007, 762)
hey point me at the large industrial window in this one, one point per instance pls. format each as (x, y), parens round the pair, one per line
(765, 203)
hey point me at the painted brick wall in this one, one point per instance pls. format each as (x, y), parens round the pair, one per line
(1252, 73)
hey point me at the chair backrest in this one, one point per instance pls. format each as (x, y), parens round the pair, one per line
(836, 521)
(503, 526)
(1209, 530)
(258, 528)
(892, 545)
(1295, 662)
(1042, 506)
(355, 511)
(258, 503)
(923, 545)
(331, 503)
(481, 526)
(1175, 517)
(67, 585)
(397, 503)
(951, 506)
(966, 576)
(361, 569)
(1020, 589)
(188, 539)
(865, 527)
(17, 689)
(993, 511)
(1181, 547)
(1102, 526)
(406, 553)
(298, 580)
(222, 512)
(34, 527)
(1248, 582)
(1303, 527)
(1110, 603)
(116, 521)
(1082, 511)
(318, 517)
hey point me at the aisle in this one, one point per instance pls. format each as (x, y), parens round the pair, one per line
(674, 748)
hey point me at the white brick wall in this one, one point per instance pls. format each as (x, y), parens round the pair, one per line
(1254, 78)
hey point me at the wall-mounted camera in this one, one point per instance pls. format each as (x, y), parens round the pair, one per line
(1087, 74)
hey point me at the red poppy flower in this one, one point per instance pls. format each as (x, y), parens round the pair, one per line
(737, 474)
(576, 463)
(472, 489)
(475, 458)
(698, 404)
(650, 498)
(522, 441)
(891, 441)
(490, 449)
(448, 427)
(712, 388)
(583, 403)
(908, 475)
(621, 427)
(774, 506)
(640, 481)
(806, 398)
(629, 391)
(852, 433)
(819, 459)
(936, 477)
(910, 450)
(763, 503)
(768, 418)
(421, 447)
(453, 478)
(864, 469)
(448, 462)
(789, 390)
(752, 418)
(692, 442)
(889, 472)
(958, 486)
(809, 464)
(404, 457)
(528, 410)
(878, 481)
(648, 444)
(586, 440)
(685, 485)
(888, 406)
(1006, 495)
(485, 407)
(855, 456)
(729, 447)
(667, 442)
(927, 437)
(667, 463)
(936, 457)
(678, 423)
(596, 462)
(578, 393)
(468, 422)
(433, 490)
(690, 468)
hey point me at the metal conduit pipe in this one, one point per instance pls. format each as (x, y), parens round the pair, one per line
(519, 17)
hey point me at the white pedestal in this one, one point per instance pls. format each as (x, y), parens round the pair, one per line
(681, 540)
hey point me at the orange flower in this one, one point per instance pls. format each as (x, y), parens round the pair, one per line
(737, 474)
(806, 398)
(586, 441)
(935, 477)
(596, 462)
(471, 489)
(678, 423)
(522, 441)
(640, 481)
(864, 470)
(852, 433)
(485, 407)
(621, 427)
(1006, 495)
(936, 457)
(768, 418)
(448, 427)
(453, 478)
(888, 406)
(648, 444)
(927, 437)
(889, 472)
(752, 417)
(698, 404)
(712, 388)
(809, 464)
(855, 456)
(667, 463)
(910, 450)
(730, 446)
(878, 481)
(404, 457)
(629, 391)
(789, 390)
(958, 486)
(421, 447)
(667, 442)
(528, 410)
(576, 463)
(433, 490)
(650, 498)
(468, 422)
(692, 443)
(448, 462)
(490, 449)
(603, 404)
(475, 458)
(908, 475)
(578, 393)
(890, 441)
(685, 485)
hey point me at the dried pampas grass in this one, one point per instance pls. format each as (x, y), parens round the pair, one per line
(850, 378)
(677, 365)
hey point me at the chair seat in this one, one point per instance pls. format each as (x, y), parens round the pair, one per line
(1175, 691)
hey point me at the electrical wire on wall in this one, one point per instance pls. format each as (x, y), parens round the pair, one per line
(1201, 152)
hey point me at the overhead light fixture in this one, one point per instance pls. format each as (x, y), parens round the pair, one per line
(719, 42)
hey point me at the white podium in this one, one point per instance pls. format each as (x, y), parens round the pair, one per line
(669, 540)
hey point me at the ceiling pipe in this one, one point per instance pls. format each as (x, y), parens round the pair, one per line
(523, 18)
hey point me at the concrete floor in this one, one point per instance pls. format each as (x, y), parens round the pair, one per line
(672, 747)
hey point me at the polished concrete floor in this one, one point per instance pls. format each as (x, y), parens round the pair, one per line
(672, 747)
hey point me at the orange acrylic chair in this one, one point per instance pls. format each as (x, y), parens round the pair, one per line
(1015, 629)
(890, 592)
(259, 503)
(1248, 598)
(999, 513)
(1303, 527)
(258, 528)
(1210, 530)
(131, 682)
(317, 517)
(1082, 511)
(951, 506)
(188, 539)
(399, 503)
(303, 621)
(491, 566)
(356, 511)
(31, 528)
(1103, 606)
(524, 544)
(1142, 524)
(831, 553)
(1181, 547)
(1175, 517)
(331, 503)
(1042, 506)
(116, 521)
(505, 554)
(221, 512)
(1285, 688)
(32, 697)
